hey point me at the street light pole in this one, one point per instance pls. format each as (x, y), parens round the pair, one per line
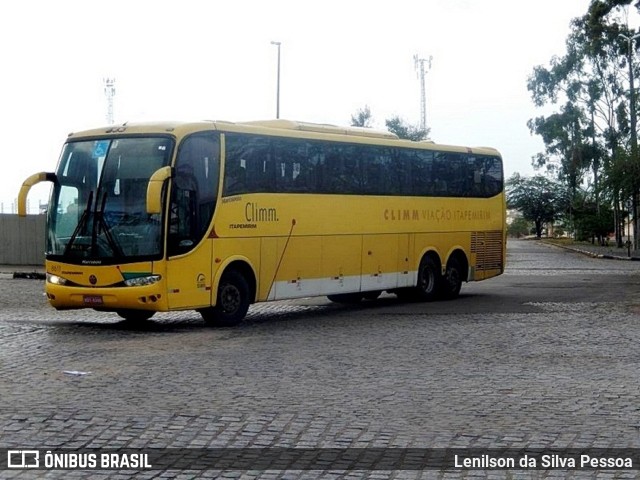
(278, 82)
(634, 133)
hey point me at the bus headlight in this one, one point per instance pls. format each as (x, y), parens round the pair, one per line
(142, 281)
(56, 280)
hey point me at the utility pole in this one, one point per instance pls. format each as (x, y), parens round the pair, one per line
(278, 44)
(110, 92)
(422, 71)
(634, 135)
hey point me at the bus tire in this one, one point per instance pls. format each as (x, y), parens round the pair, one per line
(452, 280)
(406, 294)
(429, 279)
(132, 315)
(232, 301)
(372, 295)
(355, 297)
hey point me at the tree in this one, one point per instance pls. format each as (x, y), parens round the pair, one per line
(362, 117)
(563, 135)
(519, 227)
(406, 131)
(591, 224)
(539, 199)
(591, 81)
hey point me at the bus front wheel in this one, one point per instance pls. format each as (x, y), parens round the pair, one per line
(232, 301)
(131, 315)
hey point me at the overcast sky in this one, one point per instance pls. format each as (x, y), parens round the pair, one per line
(206, 59)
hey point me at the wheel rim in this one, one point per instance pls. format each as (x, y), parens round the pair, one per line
(428, 280)
(230, 298)
(454, 279)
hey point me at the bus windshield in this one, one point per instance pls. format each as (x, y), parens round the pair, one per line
(97, 210)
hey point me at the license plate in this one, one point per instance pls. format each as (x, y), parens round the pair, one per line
(92, 300)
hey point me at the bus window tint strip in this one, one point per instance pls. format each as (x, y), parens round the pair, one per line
(284, 165)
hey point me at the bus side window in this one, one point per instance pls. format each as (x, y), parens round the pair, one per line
(399, 169)
(235, 169)
(250, 165)
(332, 178)
(285, 155)
(372, 171)
(493, 177)
(476, 176)
(341, 169)
(456, 171)
(315, 163)
(422, 172)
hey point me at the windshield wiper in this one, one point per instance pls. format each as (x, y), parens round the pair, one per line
(81, 223)
(100, 226)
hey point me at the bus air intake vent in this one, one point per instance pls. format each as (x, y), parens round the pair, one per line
(488, 248)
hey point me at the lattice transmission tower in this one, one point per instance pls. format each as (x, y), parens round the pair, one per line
(110, 92)
(423, 65)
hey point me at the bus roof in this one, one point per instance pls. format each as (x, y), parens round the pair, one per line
(324, 128)
(276, 127)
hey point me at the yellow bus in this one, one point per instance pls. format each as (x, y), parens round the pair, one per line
(215, 216)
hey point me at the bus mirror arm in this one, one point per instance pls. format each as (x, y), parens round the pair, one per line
(154, 189)
(26, 186)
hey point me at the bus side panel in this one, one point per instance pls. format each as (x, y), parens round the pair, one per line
(406, 276)
(298, 268)
(425, 242)
(269, 261)
(242, 248)
(379, 262)
(341, 264)
(189, 279)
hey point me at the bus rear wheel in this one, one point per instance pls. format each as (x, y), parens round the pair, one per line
(452, 280)
(232, 301)
(372, 295)
(429, 280)
(355, 297)
(131, 315)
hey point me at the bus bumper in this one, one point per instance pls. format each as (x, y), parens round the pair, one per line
(149, 297)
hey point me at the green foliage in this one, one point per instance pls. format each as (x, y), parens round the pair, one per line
(589, 223)
(563, 135)
(519, 227)
(538, 199)
(593, 127)
(406, 131)
(362, 117)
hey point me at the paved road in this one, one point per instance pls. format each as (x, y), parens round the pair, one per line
(543, 356)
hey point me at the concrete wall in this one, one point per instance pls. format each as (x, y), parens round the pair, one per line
(22, 239)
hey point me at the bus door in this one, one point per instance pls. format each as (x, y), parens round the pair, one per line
(189, 279)
(191, 206)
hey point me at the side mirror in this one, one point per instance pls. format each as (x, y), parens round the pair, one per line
(26, 186)
(154, 189)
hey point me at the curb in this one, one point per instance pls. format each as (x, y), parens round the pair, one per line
(29, 275)
(593, 254)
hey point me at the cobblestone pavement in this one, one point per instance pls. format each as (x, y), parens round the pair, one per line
(545, 356)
